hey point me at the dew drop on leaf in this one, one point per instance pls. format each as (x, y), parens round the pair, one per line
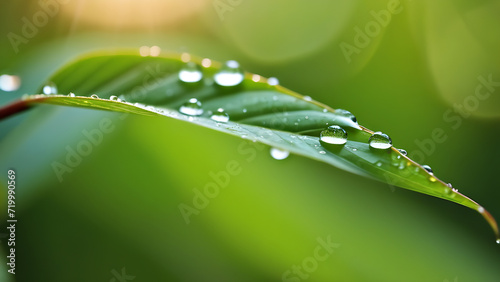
(278, 154)
(191, 107)
(229, 74)
(49, 88)
(428, 168)
(273, 81)
(9, 83)
(307, 98)
(94, 96)
(347, 114)
(220, 116)
(114, 98)
(71, 94)
(190, 73)
(334, 135)
(403, 152)
(379, 140)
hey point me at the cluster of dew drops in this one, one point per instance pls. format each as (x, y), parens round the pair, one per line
(230, 75)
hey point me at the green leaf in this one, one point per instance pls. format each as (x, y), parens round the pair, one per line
(258, 110)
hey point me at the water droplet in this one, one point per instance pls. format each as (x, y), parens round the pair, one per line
(325, 110)
(191, 107)
(220, 115)
(273, 81)
(447, 191)
(380, 140)
(428, 168)
(307, 98)
(185, 57)
(229, 74)
(245, 110)
(9, 83)
(190, 73)
(206, 63)
(379, 164)
(256, 78)
(49, 88)
(334, 135)
(278, 154)
(144, 51)
(94, 96)
(403, 152)
(347, 114)
(115, 98)
(71, 94)
(498, 241)
(322, 152)
(480, 209)
(154, 51)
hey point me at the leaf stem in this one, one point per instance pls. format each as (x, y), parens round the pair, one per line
(14, 108)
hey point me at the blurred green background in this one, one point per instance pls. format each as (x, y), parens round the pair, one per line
(403, 67)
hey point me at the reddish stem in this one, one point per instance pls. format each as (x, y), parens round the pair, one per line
(13, 108)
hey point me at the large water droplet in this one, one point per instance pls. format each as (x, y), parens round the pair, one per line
(279, 154)
(49, 88)
(427, 168)
(379, 140)
(334, 135)
(191, 107)
(347, 114)
(229, 75)
(9, 83)
(220, 115)
(190, 73)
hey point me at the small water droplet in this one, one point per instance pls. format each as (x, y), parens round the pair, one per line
(279, 154)
(347, 114)
(49, 88)
(190, 73)
(256, 78)
(334, 135)
(480, 209)
(245, 110)
(325, 110)
(144, 51)
(428, 169)
(379, 164)
(71, 94)
(447, 191)
(498, 241)
(403, 152)
(306, 117)
(185, 57)
(273, 81)
(94, 96)
(220, 116)
(154, 51)
(9, 83)
(229, 74)
(380, 140)
(114, 98)
(191, 107)
(206, 63)
(307, 98)
(322, 152)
